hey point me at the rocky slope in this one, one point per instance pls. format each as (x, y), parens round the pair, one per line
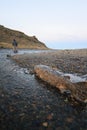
(29, 42)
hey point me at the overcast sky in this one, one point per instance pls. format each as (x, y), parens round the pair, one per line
(59, 24)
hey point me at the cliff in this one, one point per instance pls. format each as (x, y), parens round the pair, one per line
(24, 41)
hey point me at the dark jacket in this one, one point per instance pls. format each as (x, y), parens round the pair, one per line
(14, 43)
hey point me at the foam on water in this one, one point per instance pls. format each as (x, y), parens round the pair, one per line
(74, 78)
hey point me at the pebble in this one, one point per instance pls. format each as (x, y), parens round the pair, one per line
(45, 124)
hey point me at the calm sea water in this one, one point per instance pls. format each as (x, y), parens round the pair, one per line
(67, 45)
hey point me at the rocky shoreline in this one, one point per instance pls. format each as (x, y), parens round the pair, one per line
(27, 103)
(67, 61)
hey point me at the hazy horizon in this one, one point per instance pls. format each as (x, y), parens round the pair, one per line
(67, 45)
(59, 24)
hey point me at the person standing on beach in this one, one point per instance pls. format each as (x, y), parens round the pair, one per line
(15, 44)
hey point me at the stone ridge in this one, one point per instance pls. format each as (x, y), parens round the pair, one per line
(65, 86)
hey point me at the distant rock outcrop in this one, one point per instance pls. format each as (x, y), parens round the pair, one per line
(29, 42)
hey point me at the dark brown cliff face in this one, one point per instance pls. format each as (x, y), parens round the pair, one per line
(24, 41)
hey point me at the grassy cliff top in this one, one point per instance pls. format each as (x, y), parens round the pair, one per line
(24, 41)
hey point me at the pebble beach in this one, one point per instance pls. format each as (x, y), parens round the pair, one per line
(67, 61)
(27, 103)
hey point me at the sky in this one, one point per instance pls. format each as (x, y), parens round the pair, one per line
(60, 24)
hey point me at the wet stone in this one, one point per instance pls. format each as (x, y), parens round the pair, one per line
(27, 103)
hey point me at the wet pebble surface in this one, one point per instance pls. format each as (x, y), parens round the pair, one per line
(29, 104)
